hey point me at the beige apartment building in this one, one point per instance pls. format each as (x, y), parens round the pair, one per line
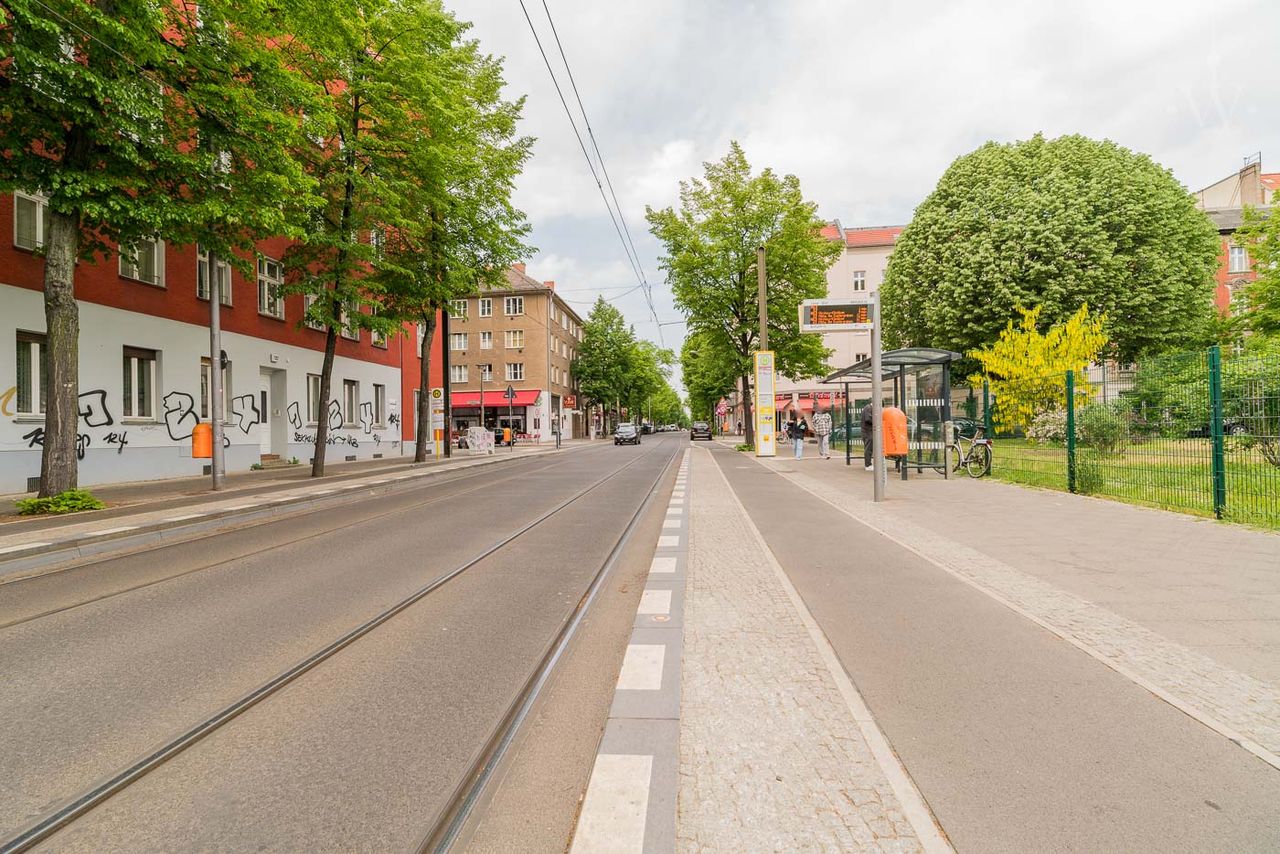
(523, 337)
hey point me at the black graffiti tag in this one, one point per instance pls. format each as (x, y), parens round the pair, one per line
(35, 439)
(179, 415)
(295, 415)
(246, 407)
(118, 439)
(93, 409)
(335, 415)
(366, 417)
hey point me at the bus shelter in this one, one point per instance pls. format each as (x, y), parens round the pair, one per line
(919, 381)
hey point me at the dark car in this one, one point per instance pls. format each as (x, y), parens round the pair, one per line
(700, 430)
(626, 434)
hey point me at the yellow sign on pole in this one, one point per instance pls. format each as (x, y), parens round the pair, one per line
(766, 416)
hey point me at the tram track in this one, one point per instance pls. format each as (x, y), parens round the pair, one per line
(90, 798)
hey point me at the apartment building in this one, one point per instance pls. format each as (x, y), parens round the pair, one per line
(1224, 201)
(855, 273)
(523, 337)
(145, 368)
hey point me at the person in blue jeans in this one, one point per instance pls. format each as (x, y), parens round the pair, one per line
(796, 431)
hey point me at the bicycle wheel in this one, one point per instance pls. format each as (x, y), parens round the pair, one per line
(979, 461)
(955, 458)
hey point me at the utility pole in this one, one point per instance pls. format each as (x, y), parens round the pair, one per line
(217, 462)
(763, 290)
(877, 403)
(446, 369)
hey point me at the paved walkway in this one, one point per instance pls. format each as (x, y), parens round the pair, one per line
(1185, 607)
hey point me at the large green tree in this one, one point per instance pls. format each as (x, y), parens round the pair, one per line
(1260, 234)
(614, 369)
(1059, 224)
(710, 247)
(132, 121)
(706, 378)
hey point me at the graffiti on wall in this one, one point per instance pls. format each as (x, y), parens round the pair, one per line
(295, 415)
(180, 415)
(245, 407)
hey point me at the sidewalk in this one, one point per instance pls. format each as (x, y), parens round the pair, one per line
(1185, 607)
(147, 512)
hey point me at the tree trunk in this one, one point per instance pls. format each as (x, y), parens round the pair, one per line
(326, 384)
(423, 415)
(748, 421)
(58, 471)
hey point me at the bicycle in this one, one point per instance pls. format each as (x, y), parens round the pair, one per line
(977, 459)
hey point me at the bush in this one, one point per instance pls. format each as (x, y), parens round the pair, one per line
(71, 501)
(744, 447)
(1089, 479)
(1049, 427)
(1103, 427)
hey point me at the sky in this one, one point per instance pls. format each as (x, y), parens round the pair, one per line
(867, 102)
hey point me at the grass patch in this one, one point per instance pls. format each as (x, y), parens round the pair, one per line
(71, 501)
(743, 446)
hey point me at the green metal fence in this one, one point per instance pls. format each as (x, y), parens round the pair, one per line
(1196, 433)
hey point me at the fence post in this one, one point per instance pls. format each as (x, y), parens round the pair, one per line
(1216, 432)
(986, 409)
(1071, 431)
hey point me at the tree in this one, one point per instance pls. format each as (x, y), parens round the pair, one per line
(1027, 369)
(603, 357)
(710, 262)
(706, 378)
(1057, 224)
(1260, 233)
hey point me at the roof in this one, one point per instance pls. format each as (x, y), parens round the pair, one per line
(831, 231)
(1271, 180)
(1227, 220)
(518, 281)
(890, 361)
(880, 235)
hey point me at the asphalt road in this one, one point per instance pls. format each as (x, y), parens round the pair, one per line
(1018, 741)
(104, 662)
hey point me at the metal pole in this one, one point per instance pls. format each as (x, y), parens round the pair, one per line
(511, 421)
(1216, 433)
(447, 367)
(482, 427)
(763, 293)
(217, 462)
(848, 429)
(1071, 431)
(877, 402)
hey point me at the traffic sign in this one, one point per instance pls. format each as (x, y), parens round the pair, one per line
(510, 393)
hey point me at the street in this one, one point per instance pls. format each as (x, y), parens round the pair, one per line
(107, 661)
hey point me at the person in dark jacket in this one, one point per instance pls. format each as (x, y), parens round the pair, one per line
(796, 430)
(868, 440)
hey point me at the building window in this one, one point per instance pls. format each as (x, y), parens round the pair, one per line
(376, 336)
(379, 405)
(139, 383)
(457, 373)
(350, 402)
(514, 339)
(486, 307)
(313, 399)
(378, 240)
(33, 367)
(270, 281)
(221, 274)
(457, 341)
(564, 321)
(515, 371)
(309, 301)
(458, 308)
(486, 340)
(513, 306)
(486, 373)
(30, 220)
(206, 396)
(350, 329)
(143, 261)
(1238, 260)
(859, 280)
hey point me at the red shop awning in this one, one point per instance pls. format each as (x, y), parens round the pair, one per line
(493, 397)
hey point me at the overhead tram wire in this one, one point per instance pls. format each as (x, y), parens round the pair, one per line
(648, 289)
(626, 247)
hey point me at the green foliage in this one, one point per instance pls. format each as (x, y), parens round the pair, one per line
(706, 378)
(1049, 427)
(70, 501)
(1260, 233)
(710, 262)
(1090, 478)
(1027, 369)
(1057, 224)
(617, 371)
(745, 448)
(1103, 427)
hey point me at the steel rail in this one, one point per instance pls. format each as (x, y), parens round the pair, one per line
(450, 823)
(90, 799)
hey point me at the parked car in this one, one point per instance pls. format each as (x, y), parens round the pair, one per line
(700, 430)
(1230, 427)
(626, 434)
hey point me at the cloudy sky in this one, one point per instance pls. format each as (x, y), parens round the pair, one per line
(867, 102)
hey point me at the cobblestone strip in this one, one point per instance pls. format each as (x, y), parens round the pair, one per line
(630, 804)
(1240, 707)
(772, 757)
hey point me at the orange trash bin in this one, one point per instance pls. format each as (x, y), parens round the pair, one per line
(894, 421)
(202, 441)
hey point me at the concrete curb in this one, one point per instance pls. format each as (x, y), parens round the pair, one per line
(23, 561)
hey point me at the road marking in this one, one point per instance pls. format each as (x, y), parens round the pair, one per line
(642, 667)
(669, 541)
(663, 565)
(23, 547)
(671, 523)
(185, 518)
(111, 531)
(674, 511)
(655, 602)
(617, 801)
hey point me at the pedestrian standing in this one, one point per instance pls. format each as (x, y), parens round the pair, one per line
(796, 430)
(868, 441)
(822, 427)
